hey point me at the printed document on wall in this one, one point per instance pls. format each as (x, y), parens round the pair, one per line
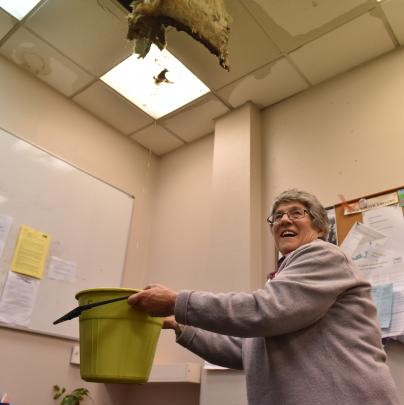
(390, 222)
(382, 295)
(18, 299)
(59, 269)
(397, 320)
(31, 252)
(360, 239)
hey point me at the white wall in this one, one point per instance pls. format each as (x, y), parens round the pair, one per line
(202, 217)
(181, 217)
(345, 136)
(31, 364)
(179, 249)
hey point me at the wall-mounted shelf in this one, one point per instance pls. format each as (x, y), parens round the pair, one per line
(176, 372)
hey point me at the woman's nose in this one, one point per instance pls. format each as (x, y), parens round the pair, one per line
(285, 218)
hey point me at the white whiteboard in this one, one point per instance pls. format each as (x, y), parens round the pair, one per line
(88, 222)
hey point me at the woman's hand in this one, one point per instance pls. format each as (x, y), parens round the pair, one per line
(169, 322)
(155, 300)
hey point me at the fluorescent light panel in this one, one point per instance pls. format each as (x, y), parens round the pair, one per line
(134, 79)
(18, 8)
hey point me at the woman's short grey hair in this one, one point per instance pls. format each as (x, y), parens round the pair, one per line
(317, 212)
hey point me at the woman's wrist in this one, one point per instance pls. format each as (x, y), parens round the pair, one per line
(177, 328)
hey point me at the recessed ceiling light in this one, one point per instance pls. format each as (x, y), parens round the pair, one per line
(19, 9)
(158, 84)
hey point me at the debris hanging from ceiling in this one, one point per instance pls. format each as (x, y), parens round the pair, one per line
(207, 21)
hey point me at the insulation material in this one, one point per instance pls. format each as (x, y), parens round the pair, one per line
(207, 21)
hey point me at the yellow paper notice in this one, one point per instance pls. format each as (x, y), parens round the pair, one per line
(31, 252)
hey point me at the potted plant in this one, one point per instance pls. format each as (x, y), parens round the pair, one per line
(74, 398)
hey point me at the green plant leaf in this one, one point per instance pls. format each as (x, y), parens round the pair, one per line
(80, 393)
(58, 392)
(69, 400)
(74, 398)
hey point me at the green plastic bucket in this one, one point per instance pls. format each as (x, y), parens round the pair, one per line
(117, 342)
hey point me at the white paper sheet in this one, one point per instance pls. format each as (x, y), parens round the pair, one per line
(360, 239)
(397, 321)
(390, 222)
(18, 299)
(378, 259)
(59, 269)
(388, 274)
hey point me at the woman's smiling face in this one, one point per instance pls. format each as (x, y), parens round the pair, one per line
(292, 233)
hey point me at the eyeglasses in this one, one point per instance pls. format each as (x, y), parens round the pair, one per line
(294, 214)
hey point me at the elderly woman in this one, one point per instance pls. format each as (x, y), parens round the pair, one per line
(309, 337)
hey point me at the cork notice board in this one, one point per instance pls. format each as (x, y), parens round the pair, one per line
(345, 222)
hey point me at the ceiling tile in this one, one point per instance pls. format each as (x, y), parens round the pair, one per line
(103, 102)
(34, 55)
(266, 86)
(394, 11)
(249, 48)
(6, 23)
(91, 32)
(291, 24)
(346, 47)
(157, 139)
(196, 120)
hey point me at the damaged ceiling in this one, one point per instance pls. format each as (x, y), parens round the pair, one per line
(207, 21)
(277, 48)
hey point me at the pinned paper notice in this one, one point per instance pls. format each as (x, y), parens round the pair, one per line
(18, 299)
(370, 203)
(31, 252)
(360, 239)
(383, 298)
(397, 320)
(64, 270)
(390, 222)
